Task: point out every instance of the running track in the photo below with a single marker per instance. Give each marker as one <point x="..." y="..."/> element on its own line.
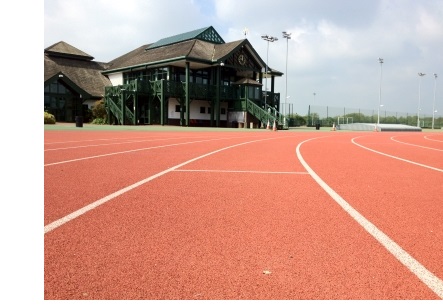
<point x="243" y="215"/>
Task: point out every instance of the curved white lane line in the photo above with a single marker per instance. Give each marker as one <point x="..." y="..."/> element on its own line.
<point x="427" y="137"/>
<point x="395" y="157"/>
<point x="415" y="145"/>
<point x="428" y="278"/>
<point x="53" y="225"/>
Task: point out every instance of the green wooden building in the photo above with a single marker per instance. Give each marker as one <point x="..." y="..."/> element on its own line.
<point x="190" y="79"/>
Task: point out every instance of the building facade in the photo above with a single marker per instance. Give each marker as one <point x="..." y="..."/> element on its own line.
<point x="190" y="79"/>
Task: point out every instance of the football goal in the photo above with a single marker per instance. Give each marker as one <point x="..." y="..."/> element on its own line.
<point x="345" y="120"/>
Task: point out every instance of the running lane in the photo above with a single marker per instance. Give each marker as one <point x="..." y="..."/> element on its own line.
<point x="398" y="189"/>
<point x="245" y="222"/>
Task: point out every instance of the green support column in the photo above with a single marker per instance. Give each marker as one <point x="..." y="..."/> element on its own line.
<point x="217" y="99"/>
<point x="108" y="110"/>
<point x="217" y="95"/>
<point x="135" y="107"/>
<point x="246" y="105"/>
<point x="122" y="106"/>
<point x="162" y="102"/>
<point x="187" y="94"/>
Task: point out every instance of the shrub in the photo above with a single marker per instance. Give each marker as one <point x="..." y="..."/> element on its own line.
<point x="49" y="118"/>
<point x="98" y="121"/>
<point x="99" y="110"/>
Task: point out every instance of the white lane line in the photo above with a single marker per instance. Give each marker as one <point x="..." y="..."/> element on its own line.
<point x="53" y="225"/>
<point x="428" y="278"/>
<point x="129" y="151"/>
<point x="88" y="140"/>
<point x="427" y="137"/>
<point x="414" y="145"/>
<point x="106" y="144"/>
<point x="395" y="157"/>
<point x="240" y="171"/>
<point x="95" y="145"/>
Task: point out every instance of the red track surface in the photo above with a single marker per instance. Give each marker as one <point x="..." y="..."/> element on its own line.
<point x="236" y="215"/>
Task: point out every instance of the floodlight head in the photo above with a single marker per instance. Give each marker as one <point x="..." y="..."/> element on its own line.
<point x="380" y="60"/>
<point x="435" y="75"/>
<point x="286" y="35"/>
<point x="421" y="74"/>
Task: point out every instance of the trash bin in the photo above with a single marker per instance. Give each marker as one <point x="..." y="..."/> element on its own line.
<point x="78" y="121"/>
<point x="317" y="126"/>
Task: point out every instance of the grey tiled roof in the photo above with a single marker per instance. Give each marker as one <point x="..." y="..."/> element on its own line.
<point x="192" y="49"/>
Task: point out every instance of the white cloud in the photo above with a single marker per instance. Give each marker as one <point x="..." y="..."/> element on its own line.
<point x="334" y="46"/>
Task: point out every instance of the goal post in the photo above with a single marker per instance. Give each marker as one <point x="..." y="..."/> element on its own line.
<point x="345" y="120"/>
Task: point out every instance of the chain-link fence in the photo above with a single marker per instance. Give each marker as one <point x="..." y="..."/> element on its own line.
<point x="326" y="116"/>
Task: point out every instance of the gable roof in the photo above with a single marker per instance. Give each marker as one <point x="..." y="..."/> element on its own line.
<point x="63" y="49"/>
<point x="207" y="34"/>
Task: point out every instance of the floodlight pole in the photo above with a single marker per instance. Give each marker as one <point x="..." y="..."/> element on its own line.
<point x="287" y="36"/>
<point x="380" y="60"/>
<point x="268" y="39"/>
<point x="433" y="105"/>
<point x="419" y="98"/>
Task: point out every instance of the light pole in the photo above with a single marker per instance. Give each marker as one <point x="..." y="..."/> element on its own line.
<point x="419" y="99"/>
<point x="433" y="105"/>
<point x="313" y="104"/>
<point x="287" y="36"/>
<point x="267" y="38"/>
<point x="380" y="60"/>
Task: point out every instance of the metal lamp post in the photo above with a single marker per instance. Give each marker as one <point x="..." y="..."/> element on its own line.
<point x="313" y="104"/>
<point x="267" y="38"/>
<point x="419" y="98"/>
<point x="433" y="105"/>
<point x="287" y="36"/>
<point x="380" y="60"/>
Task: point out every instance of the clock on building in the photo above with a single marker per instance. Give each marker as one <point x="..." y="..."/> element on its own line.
<point x="241" y="59"/>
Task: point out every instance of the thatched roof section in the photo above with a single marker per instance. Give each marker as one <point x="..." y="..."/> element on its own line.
<point x="78" y="67"/>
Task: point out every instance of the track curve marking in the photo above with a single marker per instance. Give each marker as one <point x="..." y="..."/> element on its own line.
<point x="395" y="157"/>
<point x="414" y="145"/>
<point x="59" y="222"/>
<point x="428" y="278"/>
<point x="427" y="138"/>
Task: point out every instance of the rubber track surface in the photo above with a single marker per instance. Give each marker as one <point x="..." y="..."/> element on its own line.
<point x="238" y="216"/>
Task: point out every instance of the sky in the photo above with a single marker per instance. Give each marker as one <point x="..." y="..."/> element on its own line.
<point x="333" y="51"/>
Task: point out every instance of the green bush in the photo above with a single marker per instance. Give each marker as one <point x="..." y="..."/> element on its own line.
<point x="49" y="118"/>
<point x="98" y="121"/>
<point x="99" y="110"/>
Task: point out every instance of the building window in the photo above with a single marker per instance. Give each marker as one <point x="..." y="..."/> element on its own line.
<point x="223" y="111"/>
<point x="202" y="109"/>
<point x="209" y="109"/>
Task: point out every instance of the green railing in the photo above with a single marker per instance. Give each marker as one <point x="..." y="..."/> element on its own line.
<point x="264" y="115"/>
<point x="115" y="93"/>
